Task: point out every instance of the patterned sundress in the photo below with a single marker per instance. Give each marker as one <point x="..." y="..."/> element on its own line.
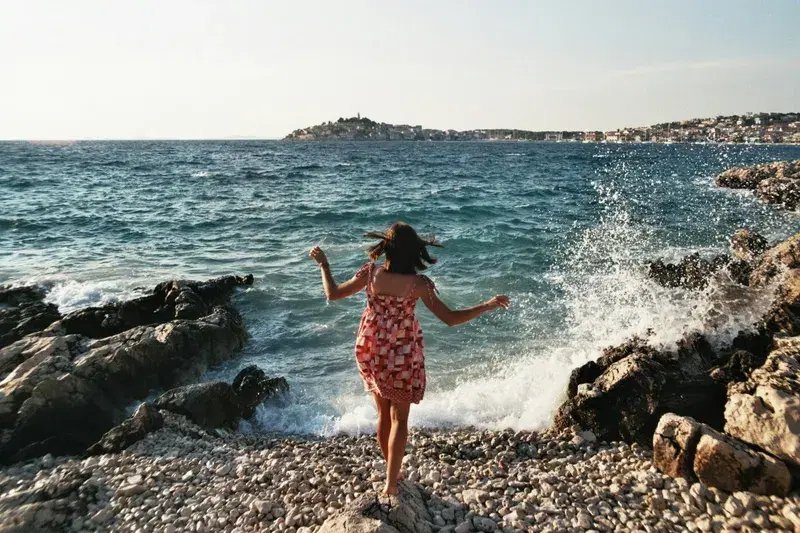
<point x="389" y="345"/>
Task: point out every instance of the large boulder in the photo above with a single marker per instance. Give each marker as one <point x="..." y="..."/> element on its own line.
<point x="765" y="410"/>
<point x="66" y="391"/>
<point x="683" y="447"/>
<point x="252" y="386"/>
<point x="23" y="311"/>
<point x="636" y="384"/>
<point x="210" y="405"/>
<point x="367" y="514"/>
<point x="144" y="420"/>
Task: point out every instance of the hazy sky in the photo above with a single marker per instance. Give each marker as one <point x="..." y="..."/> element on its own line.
<point x="223" y="68"/>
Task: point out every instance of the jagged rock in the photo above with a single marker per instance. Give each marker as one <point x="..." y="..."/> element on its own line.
<point x="86" y="395"/>
<point x="144" y="420"/>
<point x="765" y="410"/>
<point x="683" y="447"/>
<point x="170" y="300"/>
<point x="639" y="384"/>
<point x="747" y="245"/>
<point x="253" y="387"/>
<point x="784" y="192"/>
<point x="409" y="514"/>
<point x="694" y="273"/>
<point x="750" y="176"/>
<point x="211" y="405"/>
<point x="23" y="311"/>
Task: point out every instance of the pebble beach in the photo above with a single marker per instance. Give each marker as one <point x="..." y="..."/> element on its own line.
<point x="182" y="478"/>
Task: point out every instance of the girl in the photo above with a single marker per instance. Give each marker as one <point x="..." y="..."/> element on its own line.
<point x="389" y="341"/>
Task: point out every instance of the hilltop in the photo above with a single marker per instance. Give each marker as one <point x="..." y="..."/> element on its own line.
<point x="748" y="128"/>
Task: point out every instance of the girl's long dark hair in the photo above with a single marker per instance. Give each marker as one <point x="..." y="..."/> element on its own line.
<point x="406" y="252"/>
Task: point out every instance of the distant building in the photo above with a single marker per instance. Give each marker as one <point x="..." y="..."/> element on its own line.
<point x="554" y="136"/>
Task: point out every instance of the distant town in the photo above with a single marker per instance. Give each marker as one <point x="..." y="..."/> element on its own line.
<point x="756" y="128"/>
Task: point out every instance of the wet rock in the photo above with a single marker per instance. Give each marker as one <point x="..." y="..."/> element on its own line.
<point x="765" y="410"/>
<point x="639" y="384"/>
<point x="178" y="299"/>
<point x="691" y="272"/>
<point x="210" y="405"/>
<point x="683" y="447"/>
<point x="408" y="514"/>
<point x="144" y="420"/>
<point x="747" y="245"/>
<point x="253" y="387"/>
<point x="23" y="311"/>
<point x="738" y="367"/>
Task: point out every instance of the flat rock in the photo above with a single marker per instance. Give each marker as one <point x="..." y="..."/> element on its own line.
<point x="407" y="514"/>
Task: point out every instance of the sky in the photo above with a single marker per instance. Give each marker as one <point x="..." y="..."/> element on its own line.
<point x="213" y="69"/>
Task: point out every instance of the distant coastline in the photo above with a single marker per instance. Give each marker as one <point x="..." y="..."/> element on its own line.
<point x="753" y="128"/>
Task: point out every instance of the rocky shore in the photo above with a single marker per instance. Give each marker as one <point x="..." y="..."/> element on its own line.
<point x="774" y="183"/>
<point x="184" y="478"/>
<point x="699" y="437"/>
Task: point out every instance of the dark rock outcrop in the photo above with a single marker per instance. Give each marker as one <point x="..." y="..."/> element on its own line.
<point x="693" y="272"/>
<point x="144" y="420"/>
<point x="775" y="183"/>
<point x="23" y="311"/>
<point x="637" y="384"/>
<point x="217" y="404"/>
<point x="68" y="391"/>
<point x="210" y="405"/>
<point x="683" y="447"/>
<point x="252" y="386"/>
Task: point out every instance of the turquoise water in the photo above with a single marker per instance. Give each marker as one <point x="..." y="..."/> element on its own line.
<point x="563" y="229"/>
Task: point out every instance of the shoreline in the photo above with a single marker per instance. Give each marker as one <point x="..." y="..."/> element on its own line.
<point x="182" y="478"/>
<point x="175" y="464"/>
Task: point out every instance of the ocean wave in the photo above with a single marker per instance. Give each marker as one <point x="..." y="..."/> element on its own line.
<point x="70" y="295"/>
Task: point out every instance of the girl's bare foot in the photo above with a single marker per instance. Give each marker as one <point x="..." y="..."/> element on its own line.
<point x="390" y="491"/>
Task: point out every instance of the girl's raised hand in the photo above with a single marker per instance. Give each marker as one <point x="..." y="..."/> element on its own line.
<point x="499" y="301"/>
<point x="318" y="255"/>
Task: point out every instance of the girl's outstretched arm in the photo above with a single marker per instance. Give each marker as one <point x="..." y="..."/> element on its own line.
<point x="332" y="290"/>
<point x="453" y="317"/>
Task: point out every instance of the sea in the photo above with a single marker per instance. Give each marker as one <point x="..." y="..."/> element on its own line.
<point x="565" y="230"/>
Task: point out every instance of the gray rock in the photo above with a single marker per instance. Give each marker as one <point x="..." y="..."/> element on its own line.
<point x="408" y="514"/>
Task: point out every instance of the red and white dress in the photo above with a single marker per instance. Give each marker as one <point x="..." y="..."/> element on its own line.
<point x="389" y="345"/>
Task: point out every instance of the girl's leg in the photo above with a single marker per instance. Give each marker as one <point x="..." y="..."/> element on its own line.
<point x="397" y="444"/>
<point x="384" y="424"/>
